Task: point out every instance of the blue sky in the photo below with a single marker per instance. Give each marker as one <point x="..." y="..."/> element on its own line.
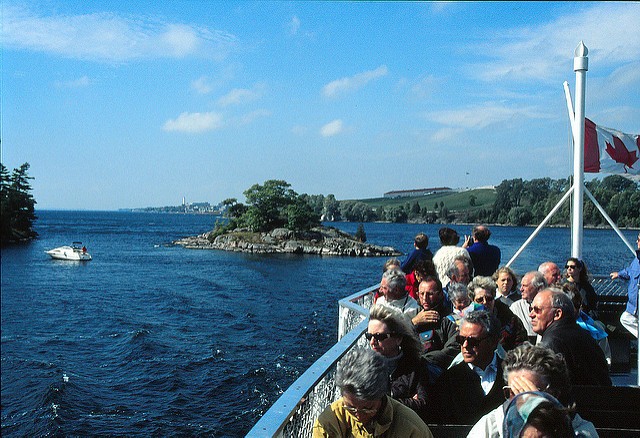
<point x="126" y="104"/>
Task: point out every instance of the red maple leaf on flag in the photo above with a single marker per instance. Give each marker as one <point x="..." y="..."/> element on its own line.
<point x="619" y="153"/>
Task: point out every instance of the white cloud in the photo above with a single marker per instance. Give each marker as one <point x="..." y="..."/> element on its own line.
<point x="254" y="115"/>
<point x="455" y="122"/>
<point x="340" y="86"/>
<point x="609" y="30"/>
<point x="81" y="82"/>
<point x="202" y="85"/>
<point x="239" y="96"/>
<point x="194" y="122"/>
<point x="108" y="37"/>
<point x="332" y="128"/>
<point x="294" y="25"/>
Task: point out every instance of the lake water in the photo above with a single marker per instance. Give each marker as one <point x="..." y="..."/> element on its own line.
<point x="151" y="339"/>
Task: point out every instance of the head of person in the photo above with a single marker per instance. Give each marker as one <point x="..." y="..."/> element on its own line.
<point x="482" y="290"/>
<point x="532" y="282"/>
<point x="573" y="292"/>
<point x="393" y="283"/>
<point x="448" y="236"/>
<point x="576" y="270"/>
<point x="536" y="415"/>
<point x="421" y="241"/>
<point x="506" y="280"/>
<point x="638" y="241"/>
<point x="458" y="295"/>
<point x="479" y="337"/>
<point x="460" y="271"/>
<point x="430" y="293"/>
<point x="549" y="306"/>
<point x="424" y="268"/>
<point x="481" y="233"/>
<point x="390" y="332"/>
<point x="392" y="263"/>
<point x="363" y="380"/>
<point x="542" y="367"/>
<point x="551" y="272"/>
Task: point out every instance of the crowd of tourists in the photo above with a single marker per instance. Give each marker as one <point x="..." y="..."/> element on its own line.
<point x="456" y="338"/>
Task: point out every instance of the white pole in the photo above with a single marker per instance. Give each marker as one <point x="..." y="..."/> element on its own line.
<point x="580" y="66"/>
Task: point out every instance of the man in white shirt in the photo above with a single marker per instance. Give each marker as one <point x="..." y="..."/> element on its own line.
<point x="394" y="294"/>
<point x="532" y="282"/>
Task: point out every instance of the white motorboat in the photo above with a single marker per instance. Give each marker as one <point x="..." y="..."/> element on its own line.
<point x="76" y="252"/>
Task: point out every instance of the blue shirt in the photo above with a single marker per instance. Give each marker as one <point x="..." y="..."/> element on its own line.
<point x="632" y="273"/>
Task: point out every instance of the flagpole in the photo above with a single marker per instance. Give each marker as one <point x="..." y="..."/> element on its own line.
<point x="580" y="66"/>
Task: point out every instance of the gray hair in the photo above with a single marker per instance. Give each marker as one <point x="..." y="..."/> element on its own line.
<point x="484" y="318"/>
<point x="453" y="270"/>
<point x="363" y="373"/>
<point x="562" y="301"/>
<point x="396" y="280"/>
<point x="457" y="291"/>
<point x="481" y="282"/>
<point x="545" y="363"/>
<point x="400" y="325"/>
<point x="537" y="280"/>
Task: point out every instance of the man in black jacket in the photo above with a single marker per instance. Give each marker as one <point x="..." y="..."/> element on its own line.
<point x="552" y="317"/>
<point x="467" y="391"/>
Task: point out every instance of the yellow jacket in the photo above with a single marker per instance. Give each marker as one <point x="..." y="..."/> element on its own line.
<point x="395" y="420"/>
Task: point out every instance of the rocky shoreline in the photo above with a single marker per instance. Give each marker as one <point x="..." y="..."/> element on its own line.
<point x="325" y="241"/>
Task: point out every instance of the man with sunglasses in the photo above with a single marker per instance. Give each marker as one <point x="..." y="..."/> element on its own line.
<point x="365" y="409"/>
<point x="468" y="390"/>
<point x="629" y="317"/>
<point x="553" y="317"/>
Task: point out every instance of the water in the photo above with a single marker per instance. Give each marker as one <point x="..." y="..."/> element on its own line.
<point x="152" y="339"/>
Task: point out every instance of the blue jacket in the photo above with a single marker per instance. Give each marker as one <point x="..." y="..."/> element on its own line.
<point x="632" y="273"/>
<point x="416" y="255"/>
<point x="485" y="258"/>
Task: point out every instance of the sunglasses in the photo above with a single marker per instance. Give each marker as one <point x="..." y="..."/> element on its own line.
<point x="355" y="411"/>
<point x="378" y="336"/>
<point x="485" y="299"/>
<point x="570" y="266"/>
<point x="471" y="341"/>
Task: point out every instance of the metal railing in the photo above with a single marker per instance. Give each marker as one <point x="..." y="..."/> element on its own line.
<point x="294" y="413"/>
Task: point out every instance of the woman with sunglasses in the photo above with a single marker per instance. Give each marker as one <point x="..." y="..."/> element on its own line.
<point x="532" y="368"/>
<point x="365" y="409"/>
<point x="482" y="290"/>
<point x="391" y="334"/>
<point x="576" y="272"/>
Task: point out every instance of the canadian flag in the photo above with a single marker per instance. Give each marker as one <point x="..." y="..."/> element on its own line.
<point x="609" y="151"/>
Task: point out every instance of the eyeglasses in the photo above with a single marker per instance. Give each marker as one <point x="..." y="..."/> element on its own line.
<point x="536" y="309"/>
<point x="355" y="411"/>
<point x="471" y="341"/>
<point x="509" y="394"/>
<point x="485" y="299"/>
<point x="570" y="266"/>
<point x="378" y="336"/>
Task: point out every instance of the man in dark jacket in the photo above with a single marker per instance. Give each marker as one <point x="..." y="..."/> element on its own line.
<point x="485" y="257"/>
<point x="553" y="317"/>
<point x="467" y="391"/>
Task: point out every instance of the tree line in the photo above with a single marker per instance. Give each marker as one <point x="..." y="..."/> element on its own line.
<point x="17" y="205"/>
<point x="517" y="202"/>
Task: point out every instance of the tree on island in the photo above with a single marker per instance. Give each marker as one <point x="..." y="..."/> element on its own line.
<point x="271" y="205"/>
<point x="17" y="206"/>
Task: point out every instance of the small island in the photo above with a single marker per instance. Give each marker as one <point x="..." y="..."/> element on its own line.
<point x="278" y="220"/>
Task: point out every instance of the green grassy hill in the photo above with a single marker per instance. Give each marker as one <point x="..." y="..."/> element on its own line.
<point x="454" y="201"/>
